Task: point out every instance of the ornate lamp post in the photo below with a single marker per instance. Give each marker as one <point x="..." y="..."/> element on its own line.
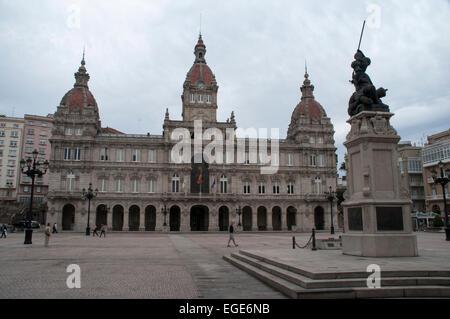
<point x="238" y="211"/>
<point x="443" y="180"/>
<point x="89" y="194"/>
<point x="331" y="196"/>
<point x="31" y="167"/>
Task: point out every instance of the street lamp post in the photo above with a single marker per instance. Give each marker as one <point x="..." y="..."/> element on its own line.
<point x="238" y="211"/>
<point x="331" y="196"/>
<point x="443" y="181"/>
<point x="89" y="194"/>
<point x="31" y="167"/>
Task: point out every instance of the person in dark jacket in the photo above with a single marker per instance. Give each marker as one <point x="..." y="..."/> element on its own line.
<point x="231" y="231"/>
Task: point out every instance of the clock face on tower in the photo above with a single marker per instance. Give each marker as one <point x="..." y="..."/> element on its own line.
<point x="201" y="85"/>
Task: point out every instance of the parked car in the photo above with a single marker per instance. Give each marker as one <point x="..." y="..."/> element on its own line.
<point x="21" y="224"/>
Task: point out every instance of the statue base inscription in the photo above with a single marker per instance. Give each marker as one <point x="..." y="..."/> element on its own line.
<point x="377" y="209"/>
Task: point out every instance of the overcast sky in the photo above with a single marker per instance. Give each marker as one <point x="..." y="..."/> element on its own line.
<point x="138" y="54"/>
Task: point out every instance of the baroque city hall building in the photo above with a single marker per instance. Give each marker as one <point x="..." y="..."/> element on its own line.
<point x="141" y="187"/>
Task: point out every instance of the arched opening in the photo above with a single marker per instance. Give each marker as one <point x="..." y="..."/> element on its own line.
<point x="101" y="215"/>
<point x="174" y="218"/>
<point x="319" y="218"/>
<point x="133" y="218"/>
<point x="224" y="218"/>
<point x="118" y="217"/>
<point x="291" y="217"/>
<point x="199" y="218"/>
<point x="68" y="217"/>
<point x="150" y="218"/>
<point x="247" y="218"/>
<point x="262" y="218"/>
<point x="276" y="218"/>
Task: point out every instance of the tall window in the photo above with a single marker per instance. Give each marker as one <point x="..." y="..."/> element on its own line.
<point x="312" y="160"/>
<point x="246" y="188"/>
<point x="223" y="184"/>
<point x="135" y="183"/>
<point x="311" y="140"/>
<point x="136" y="156"/>
<point x="102" y="184"/>
<point x="68" y="131"/>
<point x="320" y="160"/>
<point x="261" y="188"/>
<point x="77" y="154"/>
<point x="247" y="158"/>
<point x="66" y="153"/>
<point x="152" y="156"/>
<point x="119" y="155"/>
<point x="175" y="183"/>
<point x="79" y="132"/>
<point x="192" y="98"/>
<point x="119" y="185"/>
<point x="151" y="186"/>
<point x="290" y="188"/>
<point x="70" y="181"/>
<point x="104" y="154"/>
<point x="261" y="158"/>
<point x="14" y="134"/>
<point x="290" y="160"/>
<point x="320" y="140"/>
<point x="276" y="188"/>
<point x="208" y="99"/>
<point x="318" y="185"/>
<point x="200" y="98"/>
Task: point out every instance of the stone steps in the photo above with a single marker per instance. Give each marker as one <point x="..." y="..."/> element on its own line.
<point x="297" y="283"/>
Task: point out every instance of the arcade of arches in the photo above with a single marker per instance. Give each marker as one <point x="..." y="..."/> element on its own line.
<point x="195" y="218"/>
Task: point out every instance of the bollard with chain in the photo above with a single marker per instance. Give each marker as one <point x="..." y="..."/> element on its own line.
<point x="293" y="242"/>
<point x="313" y="239"/>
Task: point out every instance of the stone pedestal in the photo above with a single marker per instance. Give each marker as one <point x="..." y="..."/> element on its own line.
<point x="377" y="207"/>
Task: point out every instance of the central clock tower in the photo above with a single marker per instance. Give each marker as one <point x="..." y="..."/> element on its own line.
<point x="200" y="89"/>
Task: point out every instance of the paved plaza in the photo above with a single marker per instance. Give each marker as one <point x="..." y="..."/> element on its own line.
<point x="153" y="265"/>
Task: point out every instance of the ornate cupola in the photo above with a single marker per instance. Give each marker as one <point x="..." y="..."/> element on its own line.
<point x="200" y="88"/>
<point x="78" y="111"/>
<point x="308" y="115"/>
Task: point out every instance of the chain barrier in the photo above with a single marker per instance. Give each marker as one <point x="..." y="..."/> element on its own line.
<point x="311" y="239"/>
<point x="302" y="247"/>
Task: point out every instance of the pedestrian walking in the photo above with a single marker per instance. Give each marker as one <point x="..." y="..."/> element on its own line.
<point x="103" y="231"/>
<point x="55" y="229"/>
<point x="47" y="234"/>
<point x="95" y="232"/>
<point x="4" y="231"/>
<point x="231" y="231"/>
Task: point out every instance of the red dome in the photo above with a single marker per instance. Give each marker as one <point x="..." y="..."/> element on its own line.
<point x="311" y="109"/>
<point x="200" y="71"/>
<point x="77" y="99"/>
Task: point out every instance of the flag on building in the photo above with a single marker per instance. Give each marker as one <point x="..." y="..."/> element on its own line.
<point x="199" y="180"/>
<point x="213" y="183"/>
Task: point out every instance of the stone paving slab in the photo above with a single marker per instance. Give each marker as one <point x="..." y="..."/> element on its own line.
<point x="127" y="265"/>
<point x="156" y="265"/>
